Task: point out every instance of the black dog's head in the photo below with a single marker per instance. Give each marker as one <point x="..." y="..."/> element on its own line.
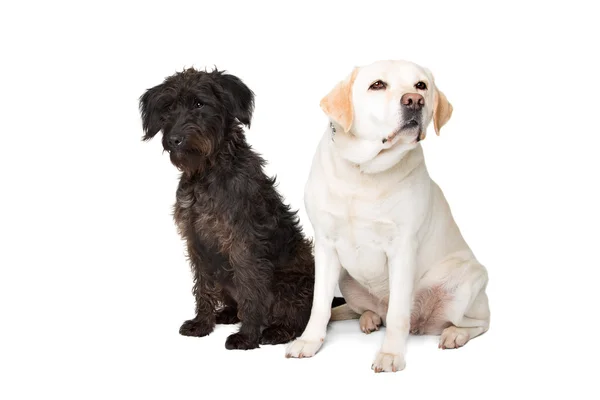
<point x="196" y="111"/>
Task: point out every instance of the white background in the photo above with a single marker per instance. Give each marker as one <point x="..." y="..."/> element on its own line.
<point x="94" y="284"/>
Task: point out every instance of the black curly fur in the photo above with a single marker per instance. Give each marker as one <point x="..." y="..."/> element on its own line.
<point x="250" y="259"/>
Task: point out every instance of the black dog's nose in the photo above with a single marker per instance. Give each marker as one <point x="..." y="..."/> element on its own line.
<point x="413" y="101"/>
<point x="174" y="141"/>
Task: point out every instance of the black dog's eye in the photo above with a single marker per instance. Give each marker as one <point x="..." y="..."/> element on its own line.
<point x="421" y="85"/>
<point x="378" y="85"/>
<point x="198" y="103"/>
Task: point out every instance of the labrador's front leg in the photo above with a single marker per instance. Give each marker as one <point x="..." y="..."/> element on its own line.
<point x="401" y="266"/>
<point x="327" y="272"/>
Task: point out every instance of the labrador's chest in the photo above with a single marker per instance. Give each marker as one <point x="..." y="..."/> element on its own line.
<point x="360" y="221"/>
<point x="365" y="216"/>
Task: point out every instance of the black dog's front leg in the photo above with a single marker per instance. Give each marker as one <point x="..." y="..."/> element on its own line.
<point x="206" y="295"/>
<point x="252" y="279"/>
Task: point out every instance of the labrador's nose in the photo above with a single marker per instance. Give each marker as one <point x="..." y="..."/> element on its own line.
<point x="412" y="101"/>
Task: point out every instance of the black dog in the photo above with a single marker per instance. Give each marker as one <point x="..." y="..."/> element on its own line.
<point x="250" y="260"/>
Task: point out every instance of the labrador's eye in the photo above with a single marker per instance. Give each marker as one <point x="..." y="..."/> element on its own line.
<point x="378" y="85"/>
<point x="421" y="85"/>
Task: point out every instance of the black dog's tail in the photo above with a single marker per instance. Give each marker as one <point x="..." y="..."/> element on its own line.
<point x="337" y="301"/>
<point x="341" y="311"/>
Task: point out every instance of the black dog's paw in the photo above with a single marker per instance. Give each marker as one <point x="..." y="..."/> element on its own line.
<point x="276" y="335"/>
<point x="194" y="327"/>
<point x="239" y="341"/>
<point x="228" y="316"/>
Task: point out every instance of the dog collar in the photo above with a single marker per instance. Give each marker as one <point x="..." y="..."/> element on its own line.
<point x="332" y="129"/>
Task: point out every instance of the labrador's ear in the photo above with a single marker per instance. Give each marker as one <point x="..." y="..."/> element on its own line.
<point x="337" y="105"/>
<point x="442" y="111"/>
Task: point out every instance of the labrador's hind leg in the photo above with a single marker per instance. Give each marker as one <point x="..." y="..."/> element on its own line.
<point x="468" y="312"/>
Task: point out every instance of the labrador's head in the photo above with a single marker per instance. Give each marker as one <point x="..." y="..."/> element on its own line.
<point x="388" y="102"/>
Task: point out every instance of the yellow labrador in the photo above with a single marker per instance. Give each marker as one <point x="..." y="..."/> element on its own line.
<point x="382" y="226"/>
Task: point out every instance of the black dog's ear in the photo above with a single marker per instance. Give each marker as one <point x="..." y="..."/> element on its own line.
<point x="151" y="111"/>
<point x="239" y="96"/>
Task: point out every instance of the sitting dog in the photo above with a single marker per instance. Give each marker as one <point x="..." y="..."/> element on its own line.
<point x="249" y="257"/>
<point x="382" y="226"/>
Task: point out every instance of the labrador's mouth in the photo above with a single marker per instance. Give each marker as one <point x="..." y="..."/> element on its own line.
<point x="411" y="124"/>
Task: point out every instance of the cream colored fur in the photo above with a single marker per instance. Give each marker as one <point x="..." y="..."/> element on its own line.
<point x="383" y="228"/>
